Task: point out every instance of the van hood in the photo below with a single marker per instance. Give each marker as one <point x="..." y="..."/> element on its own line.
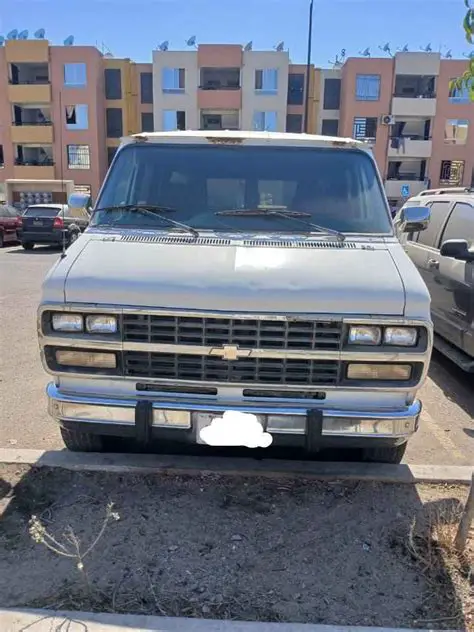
<point x="309" y="278"/>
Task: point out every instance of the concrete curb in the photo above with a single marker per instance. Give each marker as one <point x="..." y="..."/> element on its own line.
<point x="47" y="620"/>
<point x="271" y="468"/>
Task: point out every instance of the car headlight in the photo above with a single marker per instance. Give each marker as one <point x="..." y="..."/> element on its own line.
<point x="400" y="336"/>
<point x="365" y="335"/>
<point x="368" y="371"/>
<point x="101" y="324"/>
<point x="88" y="359"/>
<point x="67" y="322"/>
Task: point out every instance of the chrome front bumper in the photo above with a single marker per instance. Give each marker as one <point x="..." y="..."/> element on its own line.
<point x="121" y="416"/>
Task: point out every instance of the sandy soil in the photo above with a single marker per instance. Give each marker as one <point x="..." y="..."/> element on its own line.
<point x="250" y="549"/>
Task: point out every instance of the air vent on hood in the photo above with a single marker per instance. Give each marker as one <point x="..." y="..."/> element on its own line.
<point x="260" y="243"/>
<point x="178" y="239"/>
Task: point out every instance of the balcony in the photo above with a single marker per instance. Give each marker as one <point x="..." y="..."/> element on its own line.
<point x="34" y="162"/>
<point x="29" y="83"/>
<point x="219" y="119"/>
<point x="414" y="106"/>
<point x="409" y="147"/>
<point x="220" y="89"/>
<point x="32" y="124"/>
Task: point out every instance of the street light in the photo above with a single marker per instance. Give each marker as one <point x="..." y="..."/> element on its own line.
<point x="308" y="66"/>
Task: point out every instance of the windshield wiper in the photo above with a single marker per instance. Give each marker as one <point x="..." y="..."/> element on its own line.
<point x="282" y="212"/>
<point x="151" y="210"/>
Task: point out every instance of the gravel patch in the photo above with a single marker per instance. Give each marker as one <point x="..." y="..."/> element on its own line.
<point x="237" y="548"/>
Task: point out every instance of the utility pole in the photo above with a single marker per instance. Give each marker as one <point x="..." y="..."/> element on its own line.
<point x="308" y="66"/>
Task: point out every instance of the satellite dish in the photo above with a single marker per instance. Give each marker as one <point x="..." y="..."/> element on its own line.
<point x="69" y="41"/>
<point x="40" y="33"/>
<point x="2" y="40"/>
<point x="449" y="54"/>
<point x="469" y="55"/>
<point x="427" y="48"/>
<point x="23" y="35"/>
<point x="404" y="49"/>
<point x="164" y="45"/>
<point x="248" y="47"/>
<point x="365" y="53"/>
<point x="280" y="47"/>
<point x="12" y="35"/>
<point x="191" y="41"/>
<point x="386" y="49"/>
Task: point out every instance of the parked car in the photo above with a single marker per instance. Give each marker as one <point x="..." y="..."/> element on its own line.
<point x="10" y="223"/>
<point x="444" y="256"/>
<point x="52" y="224"/>
<point x="239" y="288"/>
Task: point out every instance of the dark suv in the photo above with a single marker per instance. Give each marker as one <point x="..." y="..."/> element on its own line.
<point x="444" y="256"/>
<point x="52" y="224"/>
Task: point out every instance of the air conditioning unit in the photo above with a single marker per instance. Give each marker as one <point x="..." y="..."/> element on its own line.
<point x="387" y="119"/>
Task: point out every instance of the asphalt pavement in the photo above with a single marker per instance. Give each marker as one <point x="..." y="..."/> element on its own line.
<point x="446" y="434"/>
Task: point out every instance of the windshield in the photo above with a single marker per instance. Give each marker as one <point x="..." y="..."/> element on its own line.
<point x="335" y="188"/>
<point x="41" y="211"/>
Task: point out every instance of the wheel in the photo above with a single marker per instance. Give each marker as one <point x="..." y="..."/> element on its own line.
<point x="1" y="240"/>
<point x="81" y="441"/>
<point x="385" y="454"/>
<point x="27" y="245"/>
<point x="72" y="238"/>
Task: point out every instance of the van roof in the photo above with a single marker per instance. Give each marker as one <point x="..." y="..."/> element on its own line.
<point x="246" y="137"/>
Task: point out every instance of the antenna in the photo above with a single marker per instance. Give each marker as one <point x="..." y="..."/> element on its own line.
<point x="449" y="54"/>
<point x="248" y="47"/>
<point x="337" y="63"/>
<point x="280" y="47"/>
<point x="191" y="41"/>
<point x="403" y="50"/>
<point x="343" y="55"/>
<point x="164" y="46"/>
<point x="40" y="33"/>
<point x="2" y="40"/>
<point x="12" y="35"/>
<point x="427" y="48"/>
<point x="386" y="49"/>
<point x="365" y="53"/>
<point x="69" y="41"/>
<point x="23" y="35"/>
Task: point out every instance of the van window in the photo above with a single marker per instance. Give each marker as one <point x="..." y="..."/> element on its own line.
<point x="460" y="223"/>
<point x="336" y="188"/>
<point x="439" y="213"/>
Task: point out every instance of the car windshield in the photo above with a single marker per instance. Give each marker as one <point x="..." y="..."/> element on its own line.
<point x="332" y="188"/>
<point x="40" y="211"/>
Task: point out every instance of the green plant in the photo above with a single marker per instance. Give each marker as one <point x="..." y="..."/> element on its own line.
<point x="467" y="78"/>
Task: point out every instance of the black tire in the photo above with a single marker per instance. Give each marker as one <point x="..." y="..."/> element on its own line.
<point x="82" y="441"/>
<point x="385" y="454"/>
<point x="27" y="245"/>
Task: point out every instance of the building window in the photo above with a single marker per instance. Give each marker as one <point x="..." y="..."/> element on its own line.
<point x="113" y="84"/>
<point x="220" y="79"/>
<point x="461" y="94"/>
<point x="219" y="119"/>
<point x="455" y="131"/>
<point x="146" y="87"/>
<point x="2" y="161"/>
<point x="295" y="88"/>
<point x="452" y="172"/>
<point x="367" y="87"/>
<point x="415" y="86"/>
<point x="266" y="81"/>
<point x="332" y="94"/>
<point x="114" y="122"/>
<point x="173" y="120"/>
<point x="75" y="75"/>
<point x="78" y="157"/>
<point x="330" y="127"/>
<point x="365" y="128"/>
<point x="173" y="80"/>
<point x="294" y="123"/>
<point x="147" y="121"/>
<point x="265" y="121"/>
<point x="77" y="117"/>
<point x="111" y="151"/>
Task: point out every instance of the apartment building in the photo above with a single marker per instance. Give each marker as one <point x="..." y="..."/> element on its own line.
<point x="228" y="87"/>
<point x="421" y="131"/>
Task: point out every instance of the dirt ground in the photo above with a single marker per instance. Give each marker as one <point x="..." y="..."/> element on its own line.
<point x="236" y="548"/>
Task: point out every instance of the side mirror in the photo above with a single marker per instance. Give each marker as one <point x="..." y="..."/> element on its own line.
<point x="413" y="219"/>
<point x="457" y="249"/>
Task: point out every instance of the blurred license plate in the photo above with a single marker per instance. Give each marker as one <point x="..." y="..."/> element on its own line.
<point x="37" y="222"/>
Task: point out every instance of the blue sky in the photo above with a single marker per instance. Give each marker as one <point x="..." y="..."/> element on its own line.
<point x="131" y="28"/>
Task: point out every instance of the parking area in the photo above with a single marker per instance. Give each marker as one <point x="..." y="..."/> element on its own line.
<point x="446" y="435"/>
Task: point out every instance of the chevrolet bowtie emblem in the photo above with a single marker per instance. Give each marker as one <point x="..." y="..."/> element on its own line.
<point x="230" y="352"/>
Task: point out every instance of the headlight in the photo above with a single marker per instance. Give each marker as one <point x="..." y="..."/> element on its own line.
<point x="89" y="359"/>
<point x="101" y="324"/>
<point x="379" y="371"/>
<point x="365" y="335"/>
<point x="400" y="336"/>
<point x="67" y="322"/>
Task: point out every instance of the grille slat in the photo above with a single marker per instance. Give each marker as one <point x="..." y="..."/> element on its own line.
<point x="142" y="364"/>
<point x="310" y="335"/>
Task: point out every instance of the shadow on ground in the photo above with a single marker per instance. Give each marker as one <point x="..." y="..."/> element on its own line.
<point x="456" y="384"/>
<point x="232" y="548"/>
